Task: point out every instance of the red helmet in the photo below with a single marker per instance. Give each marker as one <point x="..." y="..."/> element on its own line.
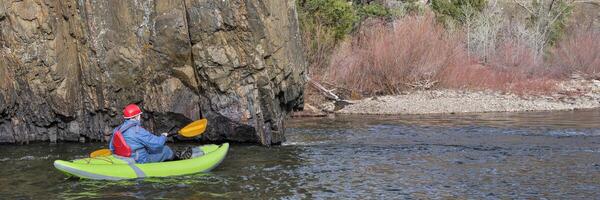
<point x="131" y="111"/>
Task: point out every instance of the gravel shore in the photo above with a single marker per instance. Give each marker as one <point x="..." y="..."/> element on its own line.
<point x="571" y="95"/>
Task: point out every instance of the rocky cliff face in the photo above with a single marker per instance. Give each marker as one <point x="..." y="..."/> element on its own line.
<point x="67" y="68"/>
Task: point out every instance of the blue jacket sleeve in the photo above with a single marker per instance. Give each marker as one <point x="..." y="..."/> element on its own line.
<point x="110" y="142"/>
<point x="152" y="142"/>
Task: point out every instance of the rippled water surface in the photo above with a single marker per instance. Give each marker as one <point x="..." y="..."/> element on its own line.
<point x="479" y="156"/>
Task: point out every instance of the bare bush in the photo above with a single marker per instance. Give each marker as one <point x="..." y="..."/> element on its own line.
<point x="492" y="52"/>
<point x="417" y="53"/>
<point x="578" y="53"/>
<point x="386" y="59"/>
<point x="319" y="43"/>
<point x="478" y="77"/>
<point x="483" y="34"/>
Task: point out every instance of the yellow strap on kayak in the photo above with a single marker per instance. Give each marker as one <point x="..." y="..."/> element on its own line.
<point x="100" y="152"/>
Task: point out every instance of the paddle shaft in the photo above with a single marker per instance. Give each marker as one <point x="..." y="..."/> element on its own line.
<point x="200" y="110"/>
<point x="171" y="132"/>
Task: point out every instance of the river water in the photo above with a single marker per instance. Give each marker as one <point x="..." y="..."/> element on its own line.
<point x="554" y="155"/>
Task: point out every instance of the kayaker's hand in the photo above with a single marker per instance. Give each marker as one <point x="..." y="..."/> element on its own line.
<point x="165" y="134"/>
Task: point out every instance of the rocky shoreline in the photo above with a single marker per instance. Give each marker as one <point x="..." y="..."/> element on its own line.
<point x="570" y="95"/>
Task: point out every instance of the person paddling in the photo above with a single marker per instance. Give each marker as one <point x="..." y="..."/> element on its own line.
<point x="130" y="139"/>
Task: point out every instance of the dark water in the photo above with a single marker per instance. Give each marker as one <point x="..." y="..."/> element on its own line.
<point x="480" y="156"/>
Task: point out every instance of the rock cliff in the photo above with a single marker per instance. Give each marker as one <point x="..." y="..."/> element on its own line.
<point x="68" y="67"/>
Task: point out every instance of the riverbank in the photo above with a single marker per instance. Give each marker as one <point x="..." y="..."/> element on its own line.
<point x="574" y="94"/>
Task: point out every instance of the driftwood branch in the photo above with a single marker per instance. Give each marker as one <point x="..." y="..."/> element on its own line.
<point x="424" y="84"/>
<point x="327" y="93"/>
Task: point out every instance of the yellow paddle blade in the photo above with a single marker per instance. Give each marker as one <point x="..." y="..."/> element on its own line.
<point x="100" y="152"/>
<point x="195" y="128"/>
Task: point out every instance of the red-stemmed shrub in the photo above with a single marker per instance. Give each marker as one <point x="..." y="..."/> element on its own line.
<point x="415" y="52"/>
<point x="386" y="58"/>
<point x="578" y="53"/>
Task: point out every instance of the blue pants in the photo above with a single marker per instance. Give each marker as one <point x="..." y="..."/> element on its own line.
<point x="165" y="154"/>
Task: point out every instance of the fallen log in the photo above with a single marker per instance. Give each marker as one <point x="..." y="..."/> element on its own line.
<point x="327" y="93"/>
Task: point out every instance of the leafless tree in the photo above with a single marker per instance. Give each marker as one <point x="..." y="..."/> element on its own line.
<point x="544" y="15"/>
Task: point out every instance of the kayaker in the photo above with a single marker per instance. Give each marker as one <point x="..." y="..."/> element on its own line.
<point x="130" y="139"/>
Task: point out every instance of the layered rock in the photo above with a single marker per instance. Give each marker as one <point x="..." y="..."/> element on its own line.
<point x="68" y="67"/>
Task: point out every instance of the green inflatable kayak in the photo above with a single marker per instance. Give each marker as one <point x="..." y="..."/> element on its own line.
<point x="113" y="167"/>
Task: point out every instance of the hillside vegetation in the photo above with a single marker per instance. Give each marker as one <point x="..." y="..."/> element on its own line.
<point x="387" y="47"/>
